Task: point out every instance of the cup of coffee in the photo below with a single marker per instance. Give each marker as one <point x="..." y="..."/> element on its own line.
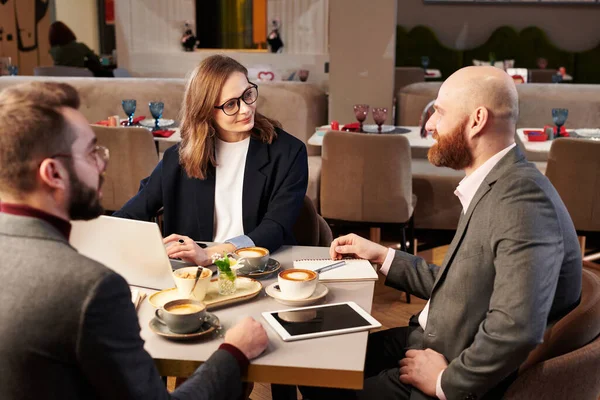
<point x="253" y="258"/>
<point x="182" y="316"/>
<point x="297" y="284"/>
<point x="185" y="278"/>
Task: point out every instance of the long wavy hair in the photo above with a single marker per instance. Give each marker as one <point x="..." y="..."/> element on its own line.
<point x="198" y="126"/>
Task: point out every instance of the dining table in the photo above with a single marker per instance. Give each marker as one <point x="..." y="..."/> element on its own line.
<point x="332" y="361"/>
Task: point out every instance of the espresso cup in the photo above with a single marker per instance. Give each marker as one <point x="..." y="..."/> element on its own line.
<point x="297" y="284"/>
<point x="184" y="280"/>
<point x="182" y="316"/>
<point x="252" y="258"/>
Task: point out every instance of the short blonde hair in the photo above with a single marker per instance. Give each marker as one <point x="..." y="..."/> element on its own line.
<point x="198" y="127"/>
<point x="32" y="127"/>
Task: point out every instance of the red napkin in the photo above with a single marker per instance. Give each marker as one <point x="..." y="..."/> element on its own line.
<point x="163" y="133"/>
<point x="136" y="120"/>
<point x="429" y="73"/>
<point x="103" y="123"/>
<point x="352" y="127"/>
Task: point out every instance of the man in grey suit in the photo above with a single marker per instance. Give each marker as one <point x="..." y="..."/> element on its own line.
<point x="513" y="267"/>
<point x="68" y="327"/>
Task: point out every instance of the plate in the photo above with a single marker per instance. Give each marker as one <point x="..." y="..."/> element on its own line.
<point x="319" y="294"/>
<point x="273" y="266"/>
<point x="211" y="324"/>
<point x="588" y="133"/>
<point x="162" y="122"/>
<point x="373" y="128"/>
<point x="247" y="288"/>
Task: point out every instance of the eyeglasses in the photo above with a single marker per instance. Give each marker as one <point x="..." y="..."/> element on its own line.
<point x="100" y="154"/>
<point x="232" y="107"/>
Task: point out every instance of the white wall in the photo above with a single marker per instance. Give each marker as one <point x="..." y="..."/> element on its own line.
<point x="82" y="17"/>
<point x="149" y="31"/>
<point x="464" y="26"/>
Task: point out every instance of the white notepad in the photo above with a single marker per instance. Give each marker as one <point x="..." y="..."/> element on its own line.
<point x="354" y="270"/>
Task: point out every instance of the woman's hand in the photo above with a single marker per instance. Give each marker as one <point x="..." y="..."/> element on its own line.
<point x="220" y="249"/>
<point x="185" y="248"/>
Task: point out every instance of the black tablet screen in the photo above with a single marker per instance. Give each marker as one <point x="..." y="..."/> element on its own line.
<point x="322" y="319"/>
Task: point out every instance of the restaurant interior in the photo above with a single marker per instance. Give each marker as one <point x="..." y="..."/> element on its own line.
<point x="356" y="82"/>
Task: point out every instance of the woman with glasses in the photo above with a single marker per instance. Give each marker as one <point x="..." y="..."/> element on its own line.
<point x="236" y="178"/>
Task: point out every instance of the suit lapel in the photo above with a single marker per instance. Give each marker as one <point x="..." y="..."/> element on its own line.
<point x="513" y="156"/>
<point x="254" y="182"/>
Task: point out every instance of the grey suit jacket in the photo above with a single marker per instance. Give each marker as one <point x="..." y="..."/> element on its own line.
<point x="514" y="265"/>
<point x="68" y="328"/>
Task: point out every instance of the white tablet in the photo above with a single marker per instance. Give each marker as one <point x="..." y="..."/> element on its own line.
<point x="316" y="321"/>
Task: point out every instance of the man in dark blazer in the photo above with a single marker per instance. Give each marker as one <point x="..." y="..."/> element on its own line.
<point x="513" y="267"/>
<point x="69" y="328"/>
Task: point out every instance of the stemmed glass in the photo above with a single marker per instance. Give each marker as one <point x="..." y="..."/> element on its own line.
<point x="360" y="112"/>
<point x="129" y="108"/>
<point x="156" y="109"/>
<point x="425" y="62"/>
<point x="559" y="116"/>
<point x="379" y="115"/>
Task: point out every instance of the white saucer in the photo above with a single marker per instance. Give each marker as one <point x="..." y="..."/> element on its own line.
<point x="373" y="128"/>
<point x="319" y="294"/>
<point x="162" y="122"/>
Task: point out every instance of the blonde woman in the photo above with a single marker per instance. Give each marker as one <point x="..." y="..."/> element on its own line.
<point x="236" y="178"/>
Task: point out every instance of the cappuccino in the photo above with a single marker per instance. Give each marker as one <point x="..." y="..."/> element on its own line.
<point x="182" y="309"/>
<point x="298" y="275"/>
<point x="253" y="257"/>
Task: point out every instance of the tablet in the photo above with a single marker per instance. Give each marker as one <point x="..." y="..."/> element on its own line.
<point x="316" y="321"/>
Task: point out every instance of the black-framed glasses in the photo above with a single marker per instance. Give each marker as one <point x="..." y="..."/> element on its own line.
<point x="232" y="106"/>
<point x="100" y="153"/>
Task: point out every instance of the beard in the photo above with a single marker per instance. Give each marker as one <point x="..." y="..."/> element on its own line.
<point x="451" y="150"/>
<point x="84" y="201"/>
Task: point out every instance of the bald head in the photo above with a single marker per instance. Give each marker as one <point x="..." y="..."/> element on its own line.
<point x="488" y="87"/>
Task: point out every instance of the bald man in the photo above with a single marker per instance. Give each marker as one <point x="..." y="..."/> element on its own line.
<point x="513" y="267"/>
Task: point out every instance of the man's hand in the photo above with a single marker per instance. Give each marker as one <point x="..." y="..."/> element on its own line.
<point x="249" y="336"/>
<point x="358" y="246"/>
<point x="185" y="248"/>
<point x="421" y="368"/>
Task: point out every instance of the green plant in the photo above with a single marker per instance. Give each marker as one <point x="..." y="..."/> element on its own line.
<point x="224" y="266"/>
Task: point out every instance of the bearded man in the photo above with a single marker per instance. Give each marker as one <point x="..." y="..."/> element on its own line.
<point x="68" y="327"/>
<point x="513" y="267"/>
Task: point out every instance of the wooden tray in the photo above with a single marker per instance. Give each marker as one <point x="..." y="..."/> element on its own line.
<point x="247" y="288"/>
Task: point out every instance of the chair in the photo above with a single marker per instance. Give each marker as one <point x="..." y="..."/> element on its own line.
<point x="566" y="365"/>
<point x="311" y="229"/>
<point x="404" y="76"/>
<point x="366" y="180"/>
<point x="574" y="170"/>
<point x="132" y="158"/>
<point x="59" y="70"/>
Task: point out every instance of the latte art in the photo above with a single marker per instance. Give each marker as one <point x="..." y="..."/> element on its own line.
<point x="251" y="253"/>
<point x="298" y="275"/>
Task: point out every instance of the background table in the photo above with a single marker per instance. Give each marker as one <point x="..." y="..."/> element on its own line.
<point x="334" y="361"/>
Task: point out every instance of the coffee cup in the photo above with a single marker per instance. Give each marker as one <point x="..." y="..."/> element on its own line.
<point x="185" y="278"/>
<point x="182" y="316"/>
<point x="297" y="284"/>
<point x="253" y="258"/>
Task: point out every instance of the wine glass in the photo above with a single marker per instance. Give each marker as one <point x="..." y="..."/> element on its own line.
<point x="379" y="115"/>
<point x="129" y="108"/>
<point x="303" y="74"/>
<point x="559" y="116"/>
<point x="425" y="62"/>
<point x="156" y="109"/>
<point x="360" y="112"/>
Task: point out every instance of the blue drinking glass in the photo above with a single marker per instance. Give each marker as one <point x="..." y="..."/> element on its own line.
<point x="425" y="62"/>
<point x="559" y="116"/>
<point x="129" y="108"/>
<point x="156" y="109"/>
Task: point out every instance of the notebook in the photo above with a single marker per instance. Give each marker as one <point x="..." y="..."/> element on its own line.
<point x="354" y="270"/>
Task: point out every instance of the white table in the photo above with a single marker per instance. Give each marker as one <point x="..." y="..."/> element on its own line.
<point x="334" y="361"/>
<point x="433" y="74"/>
<point x="419" y="146"/>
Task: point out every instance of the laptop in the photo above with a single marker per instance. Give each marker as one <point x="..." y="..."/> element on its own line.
<point x="133" y="249"/>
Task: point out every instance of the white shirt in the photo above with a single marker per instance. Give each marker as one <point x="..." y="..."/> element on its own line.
<point x="229" y="185"/>
<point x="465" y="192"/>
